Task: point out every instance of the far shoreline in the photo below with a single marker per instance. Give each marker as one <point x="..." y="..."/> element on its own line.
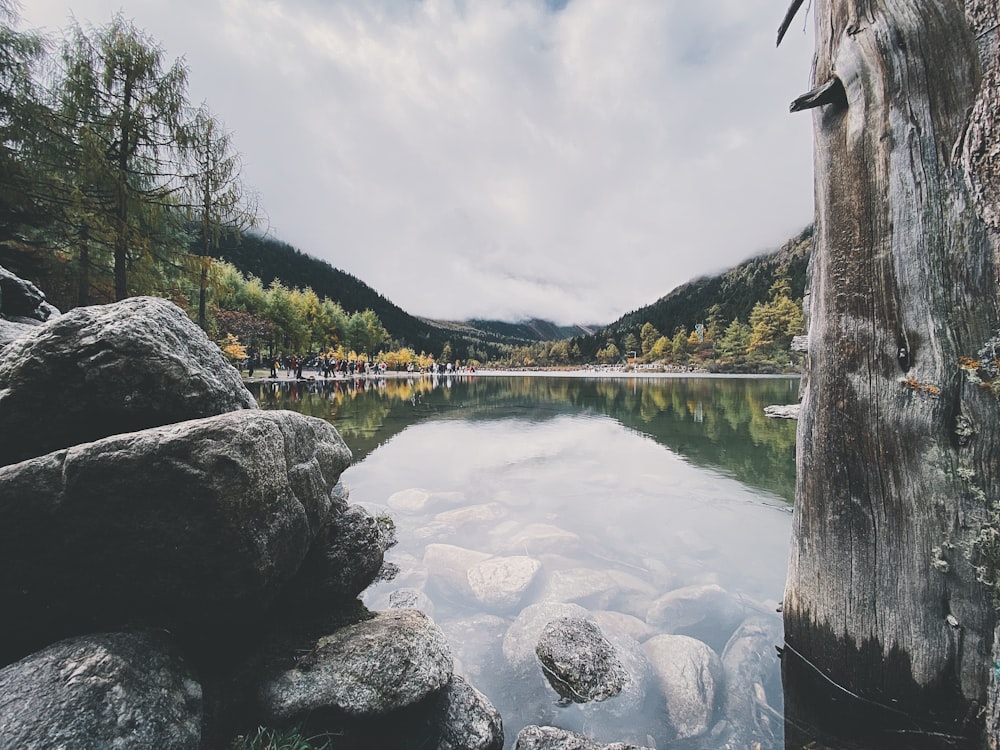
<point x="595" y="373"/>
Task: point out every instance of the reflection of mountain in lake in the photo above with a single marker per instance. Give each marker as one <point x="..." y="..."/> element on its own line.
<point x="712" y="422"/>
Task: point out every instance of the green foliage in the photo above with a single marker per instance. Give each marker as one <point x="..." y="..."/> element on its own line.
<point x="21" y="123"/>
<point x="121" y="114"/>
<point x="716" y="300"/>
<point x="649" y="336"/>
<point x="217" y="200"/>
<point x="609" y="355"/>
<point x="734" y="342"/>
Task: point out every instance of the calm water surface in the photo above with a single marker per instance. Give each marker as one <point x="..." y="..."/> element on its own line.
<point x="622" y="489"/>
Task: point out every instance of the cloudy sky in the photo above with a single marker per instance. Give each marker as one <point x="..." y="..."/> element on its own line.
<point x="565" y="159"/>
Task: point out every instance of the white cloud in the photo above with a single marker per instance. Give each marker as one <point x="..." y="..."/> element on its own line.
<point x="495" y="158"/>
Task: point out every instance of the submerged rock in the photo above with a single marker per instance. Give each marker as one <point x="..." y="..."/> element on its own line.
<point x="750" y="663"/>
<point x="690" y="676"/>
<point x="110" y="690"/>
<point x="625" y="624"/>
<point x="535" y="538"/>
<point x="595" y="588"/>
<point x="411" y="500"/>
<point x="500" y="582"/>
<point x="110" y="369"/>
<point x="448" y="567"/>
<point x="483" y="513"/>
<point x="707" y="611"/>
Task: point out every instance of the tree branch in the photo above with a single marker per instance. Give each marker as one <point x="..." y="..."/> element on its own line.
<point x="789" y="16"/>
<point x="831" y="92"/>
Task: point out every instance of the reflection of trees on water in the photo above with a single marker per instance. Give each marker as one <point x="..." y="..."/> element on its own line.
<point x="713" y="422"/>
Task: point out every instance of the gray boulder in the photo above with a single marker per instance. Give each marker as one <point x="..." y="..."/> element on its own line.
<point x="112" y="690"/>
<point x="411" y="598"/>
<point x="550" y="738"/>
<point x="468" y="721"/>
<point x="21" y="300"/>
<point x="345" y="558"/>
<point x="15" y="329"/>
<point x="522" y="636"/>
<point x="371" y="668"/>
<point x="707" y="612"/>
<point x="110" y="369"/>
<point x="690" y="676"/>
<point x="579" y="662"/>
<point x="192" y="526"/>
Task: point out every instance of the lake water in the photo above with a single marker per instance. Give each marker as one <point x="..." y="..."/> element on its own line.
<point x="620" y="490"/>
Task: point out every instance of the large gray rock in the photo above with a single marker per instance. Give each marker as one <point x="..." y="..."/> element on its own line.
<point x="580" y="664"/>
<point x="468" y="721"/>
<point x="13" y="329"/>
<point x="105" y="691"/>
<point x="110" y="369"/>
<point x="191" y="526"/>
<point x="522" y="636"/>
<point x="371" y="668"/>
<point x="411" y="598"/>
<point x="690" y="676"/>
<point x="550" y="738"/>
<point x="22" y="300"/>
<point x="344" y="560"/>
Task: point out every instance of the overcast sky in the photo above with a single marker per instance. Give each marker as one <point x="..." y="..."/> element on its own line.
<point x="564" y="159"/>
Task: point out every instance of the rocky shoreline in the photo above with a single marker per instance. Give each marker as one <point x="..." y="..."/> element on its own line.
<point x="182" y="567"/>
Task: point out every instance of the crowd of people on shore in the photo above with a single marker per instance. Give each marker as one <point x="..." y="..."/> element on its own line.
<point x="294" y="366"/>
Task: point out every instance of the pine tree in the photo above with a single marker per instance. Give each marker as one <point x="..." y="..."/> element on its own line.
<point x="121" y="115"/>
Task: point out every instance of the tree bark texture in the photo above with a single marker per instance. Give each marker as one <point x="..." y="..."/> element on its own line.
<point x="898" y="449"/>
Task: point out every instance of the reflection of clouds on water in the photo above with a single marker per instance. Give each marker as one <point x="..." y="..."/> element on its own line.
<point x="495" y="516"/>
<point x="625" y="495"/>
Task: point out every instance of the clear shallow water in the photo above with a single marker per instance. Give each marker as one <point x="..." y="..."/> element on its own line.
<point x="622" y="490"/>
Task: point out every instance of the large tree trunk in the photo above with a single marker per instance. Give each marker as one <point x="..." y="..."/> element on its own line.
<point x="898" y="448"/>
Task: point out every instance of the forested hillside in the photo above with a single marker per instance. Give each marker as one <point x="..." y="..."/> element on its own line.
<point x="269" y="259"/>
<point x="718" y="300"/>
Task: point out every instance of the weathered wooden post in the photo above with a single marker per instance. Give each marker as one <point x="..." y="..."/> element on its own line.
<point x="886" y="612"/>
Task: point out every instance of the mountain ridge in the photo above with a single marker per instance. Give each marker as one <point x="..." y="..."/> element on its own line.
<point x="728" y="295"/>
